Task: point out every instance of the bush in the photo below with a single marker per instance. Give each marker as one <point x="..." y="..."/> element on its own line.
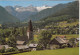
<point x="72" y="41"/>
<point x="77" y="44"/>
<point x="54" y="47"/>
<point x="11" y="49"/>
<point x="39" y="47"/>
<point x="64" y="45"/>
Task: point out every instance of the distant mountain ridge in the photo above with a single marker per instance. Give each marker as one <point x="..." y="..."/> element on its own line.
<point x="38" y="13"/>
<point x="71" y="8"/>
<point x="24" y="12"/>
<point x="47" y="12"/>
<point x="69" y="14"/>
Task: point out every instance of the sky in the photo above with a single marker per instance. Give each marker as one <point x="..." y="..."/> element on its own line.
<point x="34" y="3"/>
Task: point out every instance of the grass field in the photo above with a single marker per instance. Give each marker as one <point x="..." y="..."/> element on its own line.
<point x="68" y="36"/>
<point x="65" y="24"/>
<point x="66" y="51"/>
<point x="0" y="25"/>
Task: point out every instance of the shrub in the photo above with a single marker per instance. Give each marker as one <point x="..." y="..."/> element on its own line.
<point x="54" y="47"/>
<point x="64" y="45"/>
<point x="39" y="47"/>
<point x="77" y="44"/>
<point x="11" y="49"/>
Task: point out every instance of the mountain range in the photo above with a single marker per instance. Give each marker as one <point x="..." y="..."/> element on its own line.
<point x="32" y="12"/>
<point x="71" y="9"/>
<point x="24" y="12"/>
<point x="16" y="13"/>
<point x="70" y="14"/>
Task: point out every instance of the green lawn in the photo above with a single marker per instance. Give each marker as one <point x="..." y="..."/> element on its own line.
<point x="65" y="24"/>
<point x="68" y="36"/>
<point x="66" y="51"/>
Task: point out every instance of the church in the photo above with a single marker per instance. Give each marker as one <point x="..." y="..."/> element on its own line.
<point x="29" y="33"/>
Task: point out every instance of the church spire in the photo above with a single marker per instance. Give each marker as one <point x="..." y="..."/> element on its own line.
<point x="30" y="28"/>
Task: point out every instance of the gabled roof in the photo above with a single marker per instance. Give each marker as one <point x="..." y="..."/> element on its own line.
<point x="62" y="36"/>
<point x="22" y="46"/>
<point x="6" y="46"/>
<point x="20" y="42"/>
<point x="60" y="40"/>
<point x="1" y="46"/>
<point x="33" y="45"/>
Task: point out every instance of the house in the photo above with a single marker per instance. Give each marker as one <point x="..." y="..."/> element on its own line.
<point x="21" y="45"/>
<point x="33" y="47"/>
<point x="57" y="42"/>
<point x="6" y="46"/>
<point x="30" y="31"/>
<point x="1" y="46"/>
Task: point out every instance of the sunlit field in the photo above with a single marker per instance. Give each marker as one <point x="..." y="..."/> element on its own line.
<point x="65" y="51"/>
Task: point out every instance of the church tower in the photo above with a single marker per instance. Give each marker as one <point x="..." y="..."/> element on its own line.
<point x="30" y="31"/>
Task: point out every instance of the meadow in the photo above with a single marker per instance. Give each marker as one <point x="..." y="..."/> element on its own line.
<point x="65" y="51"/>
<point x="65" y="24"/>
<point x="68" y="36"/>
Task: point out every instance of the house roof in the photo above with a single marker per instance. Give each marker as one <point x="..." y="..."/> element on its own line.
<point x="33" y="45"/>
<point x="6" y="46"/>
<point x="1" y="46"/>
<point x="20" y="42"/>
<point x="22" y="46"/>
<point x="60" y="40"/>
<point x="61" y="36"/>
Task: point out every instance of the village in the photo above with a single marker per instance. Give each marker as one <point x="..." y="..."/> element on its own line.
<point x="24" y="44"/>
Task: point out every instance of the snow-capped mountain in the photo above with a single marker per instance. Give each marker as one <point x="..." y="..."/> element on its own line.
<point x="24" y="12"/>
<point x="42" y="8"/>
<point x="31" y="8"/>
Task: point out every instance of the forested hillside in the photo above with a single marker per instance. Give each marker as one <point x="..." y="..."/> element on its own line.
<point x="71" y="9"/>
<point x="47" y="12"/>
<point x="69" y="14"/>
<point x="6" y="17"/>
<point x="61" y="13"/>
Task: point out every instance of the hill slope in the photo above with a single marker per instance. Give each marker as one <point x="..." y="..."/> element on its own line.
<point x="69" y="14"/>
<point x="6" y="17"/>
<point x="46" y="12"/>
<point x="71" y="9"/>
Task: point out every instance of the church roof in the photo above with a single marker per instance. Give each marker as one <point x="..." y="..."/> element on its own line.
<point x="20" y="42"/>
